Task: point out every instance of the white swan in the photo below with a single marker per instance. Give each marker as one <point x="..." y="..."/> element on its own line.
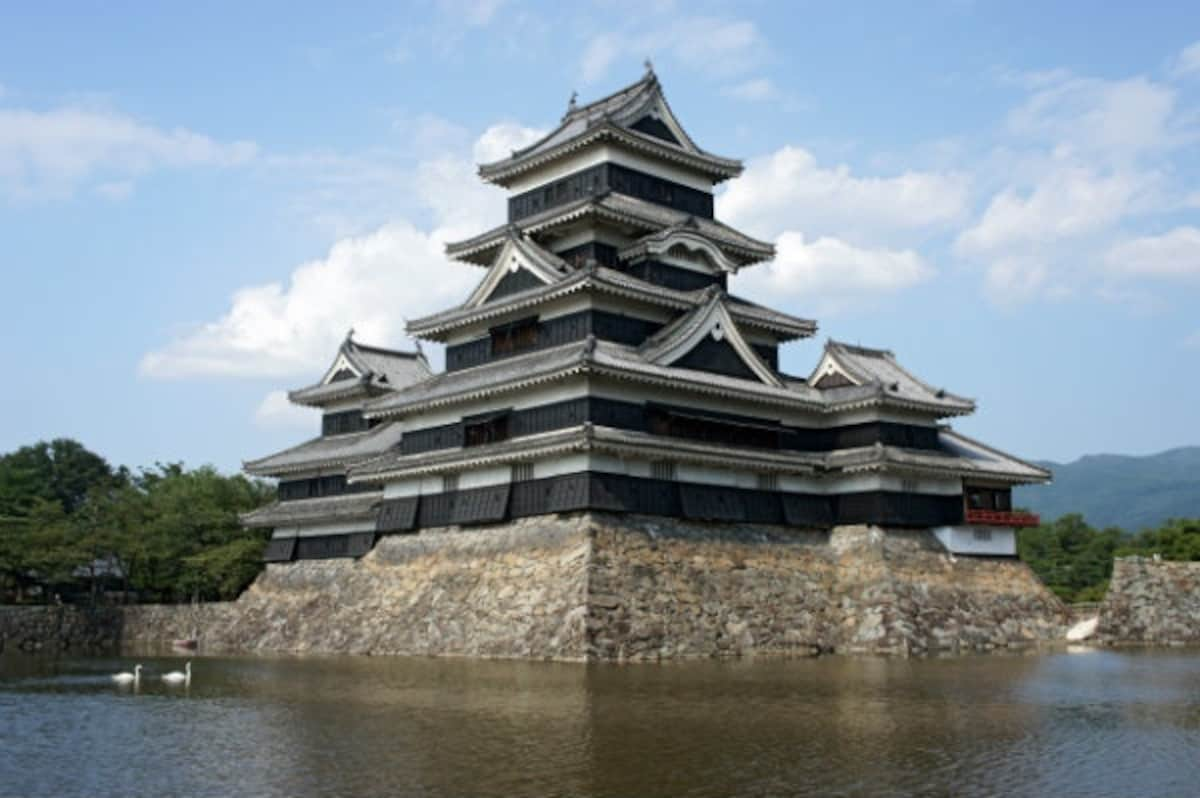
<point x="127" y="677"/>
<point x="178" y="677"/>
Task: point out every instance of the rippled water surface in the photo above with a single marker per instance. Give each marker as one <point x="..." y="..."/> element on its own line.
<point x="1097" y="723"/>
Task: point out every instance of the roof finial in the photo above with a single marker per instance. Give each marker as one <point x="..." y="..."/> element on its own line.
<point x="649" y="66"/>
<point x="571" y="102"/>
<point x="350" y="334"/>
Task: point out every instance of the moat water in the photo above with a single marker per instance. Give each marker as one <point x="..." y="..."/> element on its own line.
<point x="1092" y="723"/>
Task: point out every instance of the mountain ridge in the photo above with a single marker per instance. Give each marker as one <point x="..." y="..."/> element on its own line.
<point x="1128" y="491"/>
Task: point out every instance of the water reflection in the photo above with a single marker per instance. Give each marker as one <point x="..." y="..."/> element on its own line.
<point x="1098" y="723"/>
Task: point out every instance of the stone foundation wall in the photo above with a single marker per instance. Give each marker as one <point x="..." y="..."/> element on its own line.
<point x="59" y="628"/>
<point x="660" y="588"/>
<point x="596" y="586"/>
<point x="515" y="590"/>
<point x="1151" y="602"/>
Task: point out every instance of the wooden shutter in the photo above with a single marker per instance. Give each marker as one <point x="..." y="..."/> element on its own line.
<point x="481" y="505"/>
<point x="397" y="515"/>
<point x="279" y="550"/>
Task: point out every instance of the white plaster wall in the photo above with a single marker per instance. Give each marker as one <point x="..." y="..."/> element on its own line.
<point x="313" y="530"/>
<point x="994" y="541"/>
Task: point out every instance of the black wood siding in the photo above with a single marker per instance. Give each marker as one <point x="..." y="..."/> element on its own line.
<point x="596" y="180"/>
<point x="513" y="283"/>
<point x="279" y="550"/>
<point x="555" y="332"/>
<point x="670" y="276"/>
<point x="604" y="254"/>
<point x="655" y="127"/>
<point x="655" y="417"/>
<point x="344" y="422"/>
<point x="397" y="515"/>
<point x="317" y="487"/>
<point x="718" y="357"/>
<point x="626" y="494"/>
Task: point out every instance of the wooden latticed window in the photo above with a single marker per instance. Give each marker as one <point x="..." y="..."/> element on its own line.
<point x="768" y="482"/>
<point x="449" y="483"/>
<point x="522" y="472"/>
<point x="516" y="336"/>
<point x="486" y="428"/>
<point x="989" y="499"/>
<point x="662" y="469"/>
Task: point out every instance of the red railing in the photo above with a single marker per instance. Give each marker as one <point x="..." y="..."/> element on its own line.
<point x="1001" y="518"/>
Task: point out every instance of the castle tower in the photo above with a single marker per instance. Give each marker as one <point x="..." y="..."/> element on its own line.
<point x="603" y="364"/>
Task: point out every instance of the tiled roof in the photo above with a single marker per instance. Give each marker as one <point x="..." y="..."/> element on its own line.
<point x="613" y="117"/>
<point x="324" y="452"/>
<point x="623" y="362"/>
<point x="585" y="438"/>
<point x="962" y="457"/>
<point x="611" y="281"/>
<point x="379" y="370"/>
<point x="649" y="216"/>
<point x="866" y="366"/>
<point x="350" y="507"/>
<point x="988" y="459"/>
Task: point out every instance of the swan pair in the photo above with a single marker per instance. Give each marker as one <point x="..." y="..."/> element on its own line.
<point x="183" y="677"/>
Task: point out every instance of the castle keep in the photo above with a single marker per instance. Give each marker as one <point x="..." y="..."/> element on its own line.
<point x="602" y="363"/>
<point x="602" y="370"/>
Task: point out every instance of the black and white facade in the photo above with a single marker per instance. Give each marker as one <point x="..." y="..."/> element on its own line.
<point x="602" y="363"/>
<point x="319" y="512"/>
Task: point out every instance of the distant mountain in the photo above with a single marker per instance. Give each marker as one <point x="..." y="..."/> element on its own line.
<point x="1117" y="490"/>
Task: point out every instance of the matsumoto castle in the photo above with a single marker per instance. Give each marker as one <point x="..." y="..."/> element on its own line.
<point x="602" y="364"/>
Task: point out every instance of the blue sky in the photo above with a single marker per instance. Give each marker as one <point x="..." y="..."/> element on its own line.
<point x="197" y="202"/>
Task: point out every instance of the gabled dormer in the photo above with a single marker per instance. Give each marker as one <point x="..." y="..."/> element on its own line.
<point x="359" y="371"/>
<point x="843" y="365"/>
<point x="519" y="265"/>
<point x="636" y="119"/>
<point x="708" y="339"/>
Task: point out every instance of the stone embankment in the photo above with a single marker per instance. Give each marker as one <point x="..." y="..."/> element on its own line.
<point x="1151" y="602"/>
<point x="599" y="587"/>
<point x="59" y="628"/>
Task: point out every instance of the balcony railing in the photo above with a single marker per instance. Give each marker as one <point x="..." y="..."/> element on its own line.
<point x="1002" y="518"/>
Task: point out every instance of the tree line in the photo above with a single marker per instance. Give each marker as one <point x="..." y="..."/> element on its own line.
<point x="74" y="528"/>
<point x="1075" y="560"/>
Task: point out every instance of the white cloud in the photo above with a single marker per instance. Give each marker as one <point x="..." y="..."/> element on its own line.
<point x="472" y="12"/>
<point x="1108" y="121"/>
<point x="829" y="275"/>
<point x="115" y="189"/>
<point x="50" y="154"/>
<point x="598" y="56"/>
<point x="371" y="282"/>
<point x="499" y="140"/>
<point x="276" y="411"/>
<point x="1188" y="61"/>
<point x="788" y="190"/>
<point x="1069" y="202"/>
<point x="1083" y="156"/>
<point x="712" y="45"/>
<point x="755" y="90"/>
<point x="1172" y="255"/>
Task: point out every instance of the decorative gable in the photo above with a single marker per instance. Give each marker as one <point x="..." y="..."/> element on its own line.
<point x="342" y="369"/>
<point x="829" y="373"/>
<point x="708" y="339"/>
<point x="519" y="266"/>
<point x="684" y="243"/>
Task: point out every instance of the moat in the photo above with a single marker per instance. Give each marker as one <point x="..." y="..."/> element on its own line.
<point x="1087" y="722"/>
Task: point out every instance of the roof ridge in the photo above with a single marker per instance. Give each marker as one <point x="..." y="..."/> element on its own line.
<point x="646" y="80"/>
<point x="858" y="349"/>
